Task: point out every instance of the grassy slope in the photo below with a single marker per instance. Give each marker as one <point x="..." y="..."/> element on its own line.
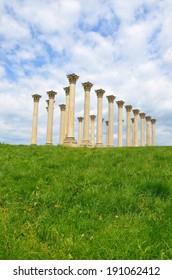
<point x="78" y="203"/>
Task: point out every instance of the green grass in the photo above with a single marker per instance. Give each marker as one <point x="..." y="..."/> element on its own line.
<point x="79" y="203"/>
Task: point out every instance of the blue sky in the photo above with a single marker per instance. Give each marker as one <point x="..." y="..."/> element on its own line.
<point x="124" y="47"/>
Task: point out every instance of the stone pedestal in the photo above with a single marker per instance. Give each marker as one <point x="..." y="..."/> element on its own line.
<point x="62" y="123"/>
<point x="110" y="99"/>
<point x="107" y="132"/>
<point x="148" y="127"/>
<point x="128" y="125"/>
<point x="142" y="129"/>
<point x="136" y="114"/>
<point x="153" y="121"/>
<point x="70" y="139"/>
<point x="36" y="98"/>
<point x="80" y="119"/>
<point x="92" y="117"/>
<point x="67" y="91"/>
<point x="132" y="122"/>
<point x="49" y="137"/>
<point x="87" y="87"/>
<point x="120" y="104"/>
<point x="99" y="93"/>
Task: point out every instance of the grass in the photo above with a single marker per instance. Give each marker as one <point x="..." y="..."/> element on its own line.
<point x="79" y="203"/>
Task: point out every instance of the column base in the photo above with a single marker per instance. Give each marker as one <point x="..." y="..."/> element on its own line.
<point x="49" y="144"/>
<point x="110" y="146"/>
<point x="86" y="143"/>
<point x="70" y="141"/>
<point x="99" y="145"/>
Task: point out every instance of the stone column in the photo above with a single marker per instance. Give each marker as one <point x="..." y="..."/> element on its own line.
<point x="92" y="117"/>
<point x="142" y="129"/>
<point x="62" y="123"/>
<point x="110" y="99"/>
<point x="128" y="125"/>
<point x="99" y="93"/>
<point x="67" y="91"/>
<point x="148" y="127"/>
<point x="153" y="121"/>
<point x="136" y="114"/>
<point x="49" y="138"/>
<point x="107" y="132"/>
<point x="70" y="139"/>
<point x="80" y="119"/>
<point x="87" y="87"/>
<point x="120" y="121"/>
<point x="132" y="121"/>
<point x="36" y="98"/>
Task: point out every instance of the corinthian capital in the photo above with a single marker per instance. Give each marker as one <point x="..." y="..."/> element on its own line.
<point x="72" y="78"/>
<point x="111" y="98"/>
<point x="142" y="115"/>
<point x="153" y="121"/>
<point x="36" y="97"/>
<point x="128" y="108"/>
<point x="100" y="92"/>
<point x="62" y="107"/>
<point x="51" y="94"/>
<point x="148" y="118"/>
<point x="136" y="112"/>
<point x="67" y="90"/>
<point x="120" y="103"/>
<point x="87" y="86"/>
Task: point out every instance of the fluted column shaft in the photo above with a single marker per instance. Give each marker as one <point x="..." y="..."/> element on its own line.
<point x="153" y="121"/>
<point x="132" y="121"/>
<point x="87" y="87"/>
<point x="120" y="121"/>
<point x="136" y="114"/>
<point x="111" y="99"/>
<point x="142" y="129"/>
<point x="99" y="93"/>
<point x="49" y="139"/>
<point x="62" y="123"/>
<point x="36" y="98"/>
<point x="92" y="117"/>
<point x="148" y="127"/>
<point x="67" y="91"/>
<point x="128" y="125"/>
<point x="80" y="119"/>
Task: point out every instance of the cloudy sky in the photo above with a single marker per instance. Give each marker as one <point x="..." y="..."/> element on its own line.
<point x="122" y="46"/>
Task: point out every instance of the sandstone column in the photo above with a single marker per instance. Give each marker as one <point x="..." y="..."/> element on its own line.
<point x="99" y="93"/>
<point x="107" y="132"/>
<point x="92" y="117"/>
<point x="80" y="119"/>
<point x="70" y="139"/>
<point x="153" y="121"/>
<point x="62" y="123"/>
<point x="120" y="121"/>
<point x="142" y="129"/>
<point x="87" y="87"/>
<point x="110" y="99"/>
<point x="136" y="114"/>
<point x="132" y="120"/>
<point x="148" y="127"/>
<point x="36" y="98"/>
<point x="67" y="91"/>
<point x="51" y="95"/>
<point x="128" y="125"/>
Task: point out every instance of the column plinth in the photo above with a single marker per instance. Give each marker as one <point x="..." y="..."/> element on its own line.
<point x="153" y="121"/>
<point x="80" y="119"/>
<point x="120" y="104"/>
<point x="142" y="129"/>
<point x="87" y="87"/>
<point x="128" y="125"/>
<point x="148" y="127"/>
<point x="62" y="123"/>
<point x="92" y="117"/>
<point x="51" y="95"/>
<point x="36" y="98"/>
<point x="136" y="114"/>
<point x="110" y="127"/>
<point x="99" y="93"/>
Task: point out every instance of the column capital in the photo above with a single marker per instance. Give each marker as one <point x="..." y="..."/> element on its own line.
<point x="51" y="94"/>
<point x="36" y="97"/>
<point x="62" y="107"/>
<point x="128" y="108"/>
<point x="142" y="115"/>
<point x="72" y="78"/>
<point x="92" y="117"/>
<point x="132" y="119"/>
<point x="136" y="112"/>
<point x="80" y="119"/>
<point x="153" y="121"/>
<point x="148" y="118"/>
<point x="107" y="122"/>
<point x="110" y="98"/>
<point x="67" y="90"/>
<point x="120" y="103"/>
<point x="100" y="92"/>
<point x="87" y="86"/>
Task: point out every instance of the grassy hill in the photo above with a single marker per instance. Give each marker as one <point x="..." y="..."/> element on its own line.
<point x="79" y="203"/>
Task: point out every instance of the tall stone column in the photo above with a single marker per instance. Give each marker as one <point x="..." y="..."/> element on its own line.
<point x="70" y="139"/>
<point x="153" y="121"/>
<point x="49" y="138"/>
<point x="107" y="132"/>
<point x="148" y="127"/>
<point x="142" y="129"/>
<point x="99" y="93"/>
<point x="128" y="125"/>
<point x="80" y="119"/>
<point x="36" y="98"/>
<point x="136" y="114"/>
<point x="132" y="121"/>
<point x="92" y="117"/>
<point x="62" y="123"/>
<point x="87" y="87"/>
<point x="110" y="99"/>
<point x="120" y="121"/>
<point x="67" y="91"/>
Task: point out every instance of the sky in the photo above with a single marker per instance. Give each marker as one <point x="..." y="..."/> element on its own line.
<point x="121" y="46"/>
